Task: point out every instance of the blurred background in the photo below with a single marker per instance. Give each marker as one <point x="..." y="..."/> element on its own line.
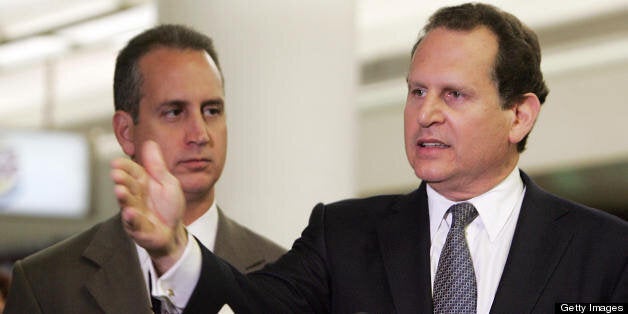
<point x="315" y="93"/>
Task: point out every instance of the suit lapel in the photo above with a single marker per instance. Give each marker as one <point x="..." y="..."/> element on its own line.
<point x="538" y="245"/>
<point x="225" y="237"/>
<point x="404" y="239"/>
<point x="232" y="246"/>
<point x="117" y="286"/>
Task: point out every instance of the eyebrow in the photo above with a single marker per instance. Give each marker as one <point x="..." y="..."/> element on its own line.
<point x="214" y="101"/>
<point x="175" y="102"/>
<point x="411" y="83"/>
<point x="447" y="84"/>
<point x="181" y="103"/>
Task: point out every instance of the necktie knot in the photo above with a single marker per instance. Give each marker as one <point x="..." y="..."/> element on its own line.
<point x="462" y="214"/>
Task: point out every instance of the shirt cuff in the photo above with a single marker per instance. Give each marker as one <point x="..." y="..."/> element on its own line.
<point x="178" y="283"/>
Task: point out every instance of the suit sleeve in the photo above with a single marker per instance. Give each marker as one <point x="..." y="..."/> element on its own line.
<point x="620" y="294"/>
<point x="21" y="298"/>
<point x="297" y="283"/>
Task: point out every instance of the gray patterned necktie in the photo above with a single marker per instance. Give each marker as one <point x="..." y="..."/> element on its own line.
<point x="455" y="289"/>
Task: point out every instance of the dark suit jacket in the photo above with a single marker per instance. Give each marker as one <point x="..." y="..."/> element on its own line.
<point x="98" y="271"/>
<point x="372" y="255"/>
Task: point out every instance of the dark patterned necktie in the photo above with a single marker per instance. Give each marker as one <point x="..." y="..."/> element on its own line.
<point x="455" y="288"/>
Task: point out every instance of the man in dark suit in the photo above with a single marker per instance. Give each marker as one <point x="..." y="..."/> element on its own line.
<point x="168" y="89"/>
<point x="476" y="236"/>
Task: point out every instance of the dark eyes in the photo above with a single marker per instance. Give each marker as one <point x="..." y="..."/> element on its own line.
<point x="455" y="94"/>
<point x="449" y="96"/>
<point x="209" y="110"/>
<point x="171" y="113"/>
<point x="418" y="92"/>
<point x="212" y="110"/>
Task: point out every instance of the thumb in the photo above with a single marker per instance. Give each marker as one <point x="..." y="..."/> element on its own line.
<point x="153" y="162"/>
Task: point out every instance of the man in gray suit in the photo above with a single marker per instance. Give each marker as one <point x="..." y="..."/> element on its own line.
<point x="168" y="89"/>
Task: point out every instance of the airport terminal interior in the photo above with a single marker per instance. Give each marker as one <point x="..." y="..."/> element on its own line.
<point x="315" y="92"/>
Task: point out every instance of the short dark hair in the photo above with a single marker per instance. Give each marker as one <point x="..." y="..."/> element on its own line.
<point x="517" y="68"/>
<point x="127" y="80"/>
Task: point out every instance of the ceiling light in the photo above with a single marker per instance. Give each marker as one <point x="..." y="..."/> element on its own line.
<point x="139" y="17"/>
<point x="38" y="48"/>
<point x="48" y="15"/>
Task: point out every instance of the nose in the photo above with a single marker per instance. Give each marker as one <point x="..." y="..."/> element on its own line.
<point x="196" y="131"/>
<point x="429" y="112"/>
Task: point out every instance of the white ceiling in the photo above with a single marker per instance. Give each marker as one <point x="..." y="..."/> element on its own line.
<point x="388" y="26"/>
<point x="56" y="57"/>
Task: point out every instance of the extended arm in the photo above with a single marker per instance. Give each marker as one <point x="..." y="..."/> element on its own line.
<point x="152" y="206"/>
<point x="296" y="283"/>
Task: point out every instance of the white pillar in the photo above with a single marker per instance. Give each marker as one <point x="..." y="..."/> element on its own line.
<point x="290" y="80"/>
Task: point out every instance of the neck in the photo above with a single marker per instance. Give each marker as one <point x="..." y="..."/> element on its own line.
<point x="196" y="206"/>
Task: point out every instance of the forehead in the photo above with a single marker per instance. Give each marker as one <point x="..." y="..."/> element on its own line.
<point x="443" y="50"/>
<point x="185" y="76"/>
<point x="162" y="62"/>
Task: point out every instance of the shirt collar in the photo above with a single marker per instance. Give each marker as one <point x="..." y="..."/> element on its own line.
<point x="204" y="228"/>
<point x="494" y="207"/>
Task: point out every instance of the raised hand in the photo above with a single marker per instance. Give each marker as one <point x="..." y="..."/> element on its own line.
<point x="152" y="205"/>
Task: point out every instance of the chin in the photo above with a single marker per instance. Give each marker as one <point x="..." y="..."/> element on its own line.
<point x="196" y="186"/>
<point x="429" y="173"/>
<point x="196" y="190"/>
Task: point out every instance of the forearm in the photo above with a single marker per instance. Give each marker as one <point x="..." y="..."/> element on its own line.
<point x="296" y="283"/>
<point x="165" y="258"/>
<point x="177" y="284"/>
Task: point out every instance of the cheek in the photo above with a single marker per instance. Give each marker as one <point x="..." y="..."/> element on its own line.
<point x="409" y="142"/>
<point x="168" y="143"/>
<point x="219" y="136"/>
<point x="169" y="154"/>
<point x="487" y="137"/>
<point x="409" y="128"/>
<point x="501" y="127"/>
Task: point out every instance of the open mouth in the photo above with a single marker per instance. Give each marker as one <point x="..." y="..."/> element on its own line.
<point x="431" y="144"/>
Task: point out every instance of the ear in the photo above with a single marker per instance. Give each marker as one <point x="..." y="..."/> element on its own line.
<point x="123" y="128"/>
<point x="525" y="113"/>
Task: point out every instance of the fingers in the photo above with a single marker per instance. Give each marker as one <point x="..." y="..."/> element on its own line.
<point x="123" y="179"/>
<point x="129" y="179"/>
<point x="129" y="167"/>
<point x="152" y="204"/>
<point x="136" y="220"/>
<point x="147" y="232"/>
<point x="139" y="226"/>
<point x="154" y="163"/>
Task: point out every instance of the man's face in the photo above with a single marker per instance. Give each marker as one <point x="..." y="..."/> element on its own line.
<point x="182" y="109"/>
<point x="456" y="134"/>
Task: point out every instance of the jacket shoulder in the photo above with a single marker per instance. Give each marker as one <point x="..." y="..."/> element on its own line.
<point x="63" y="251"/>
<point x="581" y="217"/>
<point x="354" y="209"/>
<point x="244" y="248"/>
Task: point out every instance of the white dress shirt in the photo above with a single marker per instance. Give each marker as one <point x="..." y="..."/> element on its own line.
<point x="488" y="236"/>
<point x="173" y="287"/>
